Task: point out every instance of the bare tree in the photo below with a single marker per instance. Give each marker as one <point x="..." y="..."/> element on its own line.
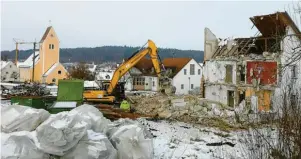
<point x="81" y="71"/>
<point x="280" y="136"/>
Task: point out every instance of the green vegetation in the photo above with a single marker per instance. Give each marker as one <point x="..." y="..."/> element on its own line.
<point x="106" y="53"/>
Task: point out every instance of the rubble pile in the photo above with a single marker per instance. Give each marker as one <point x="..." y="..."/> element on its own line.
<point x="30" y="89"/>
<point x="80" y="133"/>
<point x="188" y="108"/>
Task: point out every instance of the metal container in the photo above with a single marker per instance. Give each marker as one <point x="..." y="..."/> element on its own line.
<point x="34" y="102"/>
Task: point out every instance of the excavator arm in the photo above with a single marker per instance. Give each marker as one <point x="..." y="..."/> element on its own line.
<point x="126" y="66"/>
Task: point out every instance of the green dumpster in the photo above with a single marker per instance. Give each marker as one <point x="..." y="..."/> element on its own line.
<point x="69" y="95"/>
<point x="34" y="102"/>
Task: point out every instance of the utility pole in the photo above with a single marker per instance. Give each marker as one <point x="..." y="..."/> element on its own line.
<point x="33" y="59"/>
<point x="17" y="48"/>
<point x="16" y="57"/>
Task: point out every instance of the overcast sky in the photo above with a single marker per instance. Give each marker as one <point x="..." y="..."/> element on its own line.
<point x="169" y="24"/>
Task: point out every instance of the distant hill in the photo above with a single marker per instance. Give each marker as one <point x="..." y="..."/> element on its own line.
<point x="107" y="53"/>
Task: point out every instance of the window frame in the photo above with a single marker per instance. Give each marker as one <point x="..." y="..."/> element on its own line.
<point x="192" y="69"/>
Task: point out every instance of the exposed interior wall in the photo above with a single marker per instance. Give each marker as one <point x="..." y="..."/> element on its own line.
<point x="219" y="93"/>
<point x="263" y="98"/>
<point x="215" y="71"/>
<point x="263" y="72"/>
<point x="210" y="45"/>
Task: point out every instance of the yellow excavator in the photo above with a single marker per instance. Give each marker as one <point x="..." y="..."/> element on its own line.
<point x="106" y="94"/>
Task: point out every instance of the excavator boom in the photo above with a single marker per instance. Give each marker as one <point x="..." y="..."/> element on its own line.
<point x="126" y="66"/>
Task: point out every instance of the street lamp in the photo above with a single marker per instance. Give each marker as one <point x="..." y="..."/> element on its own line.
<point x="189" y="85"/>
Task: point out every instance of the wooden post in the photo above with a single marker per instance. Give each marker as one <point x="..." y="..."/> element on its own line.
<point x="16" y="58"/>
<point x="33" y="60"/>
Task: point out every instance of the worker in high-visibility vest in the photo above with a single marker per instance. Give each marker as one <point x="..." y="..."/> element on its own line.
<point x="125" y="105"/>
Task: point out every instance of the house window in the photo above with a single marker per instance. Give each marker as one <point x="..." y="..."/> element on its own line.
<point x="3" y="78"/>
<point x="51" y="46"/>
<point x="59" y="72"/>
<point x="9" y="66"/>
<point x="139" y="81"/>
<point x="191" y="69"/>
<point x="53" y="80"/>
<point x="229" y="73"/>
<point x="182" y="86"/>
<point x="191" y="86"/>
<point x="199" y="71"/>
<point x="242" y="74"/>
<point x="6" y="72"/>
<point x="185" y="71"/>
<point x="294" y="71"/>
<point x="153" y="83"/>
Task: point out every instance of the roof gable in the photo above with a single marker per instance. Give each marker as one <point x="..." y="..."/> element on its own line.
<point x="176" y="64"/>
<point x="52" y="68"/>
<point x="48" y="30"/>
<point x="4" y="64"/>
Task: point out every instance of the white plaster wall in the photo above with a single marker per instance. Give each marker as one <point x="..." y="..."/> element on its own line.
<point x="287" y="82"/>
<point x="218" y="93"/>
<point x="156" y="82"/>
<point x="215" y="71"/>
<point x="180" y="78"/>
<point x="129" y="84"/>
<point x="148" y="83"/>
<point x="8" y="70"/>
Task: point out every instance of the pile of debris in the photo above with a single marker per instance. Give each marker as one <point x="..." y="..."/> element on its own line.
<point x="80" y="133"/>
<point x="29" y="89"/>
<point x="187" y="108"/>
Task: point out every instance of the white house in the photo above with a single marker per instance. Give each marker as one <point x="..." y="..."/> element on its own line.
<point x="186" y="74"/>
<point x="9" y="72"/>
<point x="137" y="80"/>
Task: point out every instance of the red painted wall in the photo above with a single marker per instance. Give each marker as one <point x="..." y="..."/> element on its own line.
<point x="266" y="71"/>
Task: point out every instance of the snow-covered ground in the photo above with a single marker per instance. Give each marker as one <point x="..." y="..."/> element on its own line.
<point x="178" y="140"/>
<point x="175" y="140"/>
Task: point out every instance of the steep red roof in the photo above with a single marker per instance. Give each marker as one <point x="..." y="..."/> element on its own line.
<point x="175" y="63"/>
<point x="144" y="64"/>
<point x="46" y="33"/>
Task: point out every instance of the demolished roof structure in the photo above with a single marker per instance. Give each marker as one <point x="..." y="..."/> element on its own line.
<point x="145" y="65"/>
<point x="271" y="30"/>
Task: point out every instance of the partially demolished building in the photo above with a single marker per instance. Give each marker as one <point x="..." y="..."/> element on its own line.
<point x="247" y="70"/>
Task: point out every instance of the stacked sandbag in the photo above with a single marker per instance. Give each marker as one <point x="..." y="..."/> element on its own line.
<point x="131" y="139"/>
<point x="21" y="118"/>
<point x="93" y="116"/>
<point x="61" y="132"/>
<point x="20" y="145"/>
<point x="92" y="146"/>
